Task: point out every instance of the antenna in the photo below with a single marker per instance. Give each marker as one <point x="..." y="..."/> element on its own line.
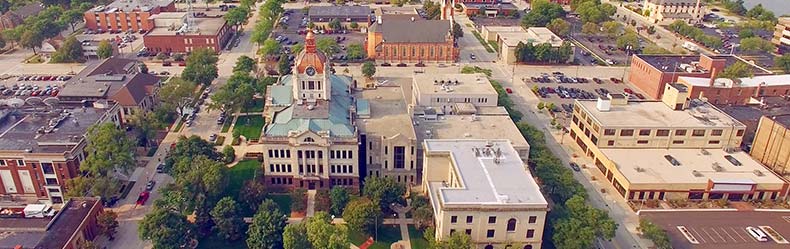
<point x="190" y="17"/>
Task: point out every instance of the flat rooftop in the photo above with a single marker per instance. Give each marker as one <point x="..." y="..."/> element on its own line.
<point x="391" y="10"/>
<point x="656" y="114"/>
<point x="675" y="63"/>
<point x="388" y="112"/>
<point x="48" y="232"/>
<point x="697" y="166"/>
<point x="403" y="31"/>
<point x="340" y="11"/>
<point x="131" y="5"/>
<point x="503" y="28"/>
<point x="205" y="26"/>
<point x="52" y="131"/>
<point x="765" y="80"/>
<point x="469" y="127"/>
<point x="466" y="84"/>
<point x="534" y="35"/>
<point x="490" y="171"/>
<point x="506" y="6"/>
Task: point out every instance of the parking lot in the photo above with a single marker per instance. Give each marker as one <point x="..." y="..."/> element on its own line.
<point x="32" y="85"/>
<point x="294" y="33"/>
<point x="716" y="229"/>
<point x="561" y="90"/>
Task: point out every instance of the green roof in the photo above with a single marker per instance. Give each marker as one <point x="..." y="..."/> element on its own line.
<point x="338" y="122"/>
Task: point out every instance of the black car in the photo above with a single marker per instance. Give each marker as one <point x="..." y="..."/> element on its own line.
<point x="402" y="65"/>
<point x="575" y="167"/>
<point x="385" y="64"/>
<point x="160" y="168"/>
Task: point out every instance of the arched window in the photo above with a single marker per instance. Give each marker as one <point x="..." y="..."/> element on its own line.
<point x="511" y="225"/>
<point x="528" y="247"/>
<point x="489" y="247"/>
<point x="309" y="140"/>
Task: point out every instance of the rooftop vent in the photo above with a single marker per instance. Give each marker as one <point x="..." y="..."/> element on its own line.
<point x="639" y="169"/>
<point x="758" y="172"/>
<point x="716" y="167"/>
<point x="705" y="152"/>
<point x="672" y="160"/>
<point x="732" y="160"/>
<point x="696" y="173"/>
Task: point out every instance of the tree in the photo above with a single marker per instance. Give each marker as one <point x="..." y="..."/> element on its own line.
<point x="654" y="49"/>
<point x="284" y="65"/>
<point x="756" y="44"/>
<point x="298" y="200"/>
<point x="783" y="62"/>
<point x="322" y="234"/>
<point x="322" y="200"/>
<point x="31" y="39"/>
<point x="354" y="25"/>
<point x="237" y="16"/>
<point x="201" y="66"/>
<point x="737" y="70"/>
<point x="384" y="191"/>
<point x="270" y="48"/>
<point x="760" y="13"/>
<point x="629" y="39"/>
<point x="422" y="211"/>
<point x="355" y="51"/>
<point x="13" y="35"/>
<point x="457" y="30"/>
<point x="104" y="50"/>
<point x="334" y="24"/>
<point x="612" y="28"/>
<point x="594" y="11"/>
<point x="296" y="49"/>
<point x="177" y="94"/>
<point x="456" y="241"/>
<point x="108" y="223"/>
<point x="590" y="28"/>
<point x="541" y="14"/>
<point x="228" y="154"/>
<point x="655" y="233"/>
<point x="253" y="193"/>
<point x="368" y="69"/>
<point x="244" y="64"/>
<point x="161" y="56"/>
<point x="266" y="230"/>
<point x="69" y="51"/>
<point x="72" y="16"/>
<point x="201" y="178"/>
<point x="339" y="198"/>
<point x="294" y="236"/>
<point x="229" y="222"/>
<point x="109" y="150"/>
<point x="78" y="186"/>
<point x="582" y="226"/>
<point x="178" y="56"/>
<point x="746" y="33"/>
<point x="145" y="125"/>
<point x="559" y="26"/>
<point x="166" y="229"/>
<point x="362" y="215"/>
<point x="327" y="45"/>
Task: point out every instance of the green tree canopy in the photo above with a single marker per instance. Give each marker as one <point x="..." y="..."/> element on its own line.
<point x="176" y="94"/>
<point x="756" y="44"/>
<point x="109" y="150"/>
<point x="737" y="70"/>
<point x="270" y="48"/>
<point x="384" y="191"/>
<point x="362" y="215"/>
<point x="237" y="16"/>
<point x="253" y="193"/>
<point x="108" y="223"/>
<point x="104" y="50"/>
<point x="201" y="66"/>
<point x="339" y="198"/>
<point x="266" y="230"/>
<point x="284" y="65"/>
<point x="559" y="26"/>
<point x="294" y="236"/>
<point x="541" y="14"/>
<point x="612" y="29"/>
<point x="31" y="39"/>
<point x="355" y="51"/>
<point x="590" y="28"/>
<point x="166" y="229"/>
<point x="228" y="220"/>
<point x="783" y="62"/>
<point x="70" y="51"/>
<point x="244" y="64"/>
<point x="327" y="45"/>
<point x="368" y="69"/>
<point x="629" y="39"/>
<point x="322" y="234"/>
<point x="582" y="226"/>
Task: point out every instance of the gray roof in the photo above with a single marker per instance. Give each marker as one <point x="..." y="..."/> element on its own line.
<point x="340" y="11"/>
<point x="113" y="78"/>
<point x="417" y="31"/>
<point x="333" y="116"/>
<point x="130" y="5"/>
<point x="20" y="131"/>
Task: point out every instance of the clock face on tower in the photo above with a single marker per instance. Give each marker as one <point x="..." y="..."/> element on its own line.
<point x="310" y="71"/>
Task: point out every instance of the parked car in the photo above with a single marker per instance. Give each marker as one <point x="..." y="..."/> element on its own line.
<point x="160" y="168"/>
<point x="143" y="197"/>
<point x="575" y="167"/>
<point x="508" y="90"/>
<point x="212" y="138"/>
<point x="150" y="185"/>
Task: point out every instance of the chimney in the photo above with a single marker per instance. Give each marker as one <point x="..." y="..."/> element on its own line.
<point x="713" y="74"/>
<point x="759" y="87"/>
<point x="604" y="104"/>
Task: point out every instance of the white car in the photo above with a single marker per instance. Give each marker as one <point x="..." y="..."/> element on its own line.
<point x="212" y="138"/>
<point x="757" y="233"/>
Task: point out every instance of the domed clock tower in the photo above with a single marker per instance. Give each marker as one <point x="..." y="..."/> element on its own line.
<point x="310" y="74"/>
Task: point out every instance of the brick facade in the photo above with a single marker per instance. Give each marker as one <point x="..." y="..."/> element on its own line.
<point x="47" y="172"/>
<point x="187" y="42"/>
<point x="135" y="20"/>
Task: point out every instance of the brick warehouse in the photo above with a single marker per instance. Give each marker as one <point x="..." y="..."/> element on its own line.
<point x="395" y="41"/>
<point x="125" y="15"/>
<point x="211" y="32"/>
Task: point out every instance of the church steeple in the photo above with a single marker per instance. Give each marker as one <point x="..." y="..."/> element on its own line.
<point x="311" y="68"/>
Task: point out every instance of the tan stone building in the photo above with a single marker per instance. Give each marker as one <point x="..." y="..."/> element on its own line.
<point x="508" y="40"/>
<point x="452" y="93"/>
<point x="483" y="188"/>
<point x="781" y="38"/>
<point x="771" y="145"/>
<point x="668" y="11"/>
<point x="673" y="149"/>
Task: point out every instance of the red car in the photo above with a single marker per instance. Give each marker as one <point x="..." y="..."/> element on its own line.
<point x="142" y="198"/>
<point x="628" y="90"/>
<point x="508" y="90"/>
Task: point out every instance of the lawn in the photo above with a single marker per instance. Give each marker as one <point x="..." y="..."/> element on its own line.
<point x="227" y="123"/>
<point x="240" y="173"/>
<point x="483" y="41"/>
<point x="284" y="201"/>
<point x="213" y="242"/>
<point x="257" y="106"/>
<point x="416" y="237"/>
<point x="388" y="234"/>
<point x="249" y="126"/>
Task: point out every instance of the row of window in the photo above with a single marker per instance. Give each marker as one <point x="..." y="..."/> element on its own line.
<point x="341" y="182"/>
<point x="341" y="169"/>
<point x="676" y="142"/>
<point x="279" y="167"/>
<point x="491" y="232"/>
<point x="284" y="153"/>
<point x="492" y="220"/>
<point x="19" y="162"/>
<point x="394" y="51"/>
<point x="341" y="154"/>
<point x="460" y="100"/>
<point x="665" y="132"/>
<point x="279" y="153"/>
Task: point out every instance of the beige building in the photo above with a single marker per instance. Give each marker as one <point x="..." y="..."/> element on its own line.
<point x="668" y="11"/>
<point x="387" y="132"/>
<point x="311" y="139"/>
<point x="771" y="145"/>
<point x="781" y="38"/>
<point x="482" y="188"/>
<point x="673" y="149"/>
<point x="508" y="39"/>
<point x="452" y="93"/>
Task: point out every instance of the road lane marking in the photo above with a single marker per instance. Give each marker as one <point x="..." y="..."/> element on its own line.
<point x="717" y="234"/>
<point x="698" y="235"/>
<point x="728" y="234"/>
<point x="711" y="237"/>
<point x="739" y="234"/>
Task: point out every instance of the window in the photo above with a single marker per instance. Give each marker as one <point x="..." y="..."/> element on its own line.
<point x="530" y="233"/>
<point x="453" y="219"/>
<point x="20" y="162"/>
<point x="677" y="142"/>
<point x="452" y="231"/>
<point x="2" y="162"/>
<point x="644" y="132"/>
<point x="698" y="133"/>
<point x="399" y="156"/>
<point x="469" y="219"/>
<point x="641" y="141"/>
<point x="608" y="132"/>
<point x="739" y="133"/>
<point x="490" y="233"/>
<point x="491" y="219"/>
<point x="713" y="142"/>
<point x="716" y="132"/>
<point x="662" y="133"/>
<point x="468" y="231"/>
<point x="680" y="132"/>
<point x="610" y="143"/>
<point x="533" y="219"/>
<point x="511" y="225"/>
<point x="309" y="140"/>
<point x="626" y="133"/>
